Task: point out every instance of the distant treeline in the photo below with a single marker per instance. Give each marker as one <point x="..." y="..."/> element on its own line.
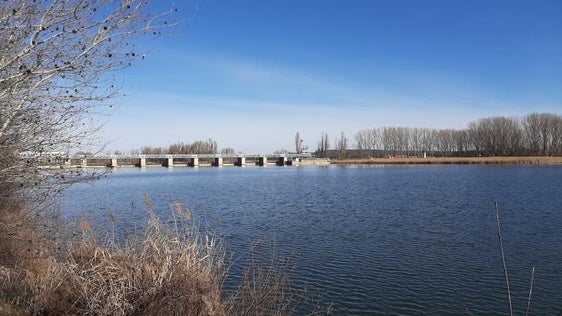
<point x="208" y="146"/>
<point x="537" y="134"/>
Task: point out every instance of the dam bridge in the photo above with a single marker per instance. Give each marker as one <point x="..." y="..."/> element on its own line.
<point x="188" y="160"/>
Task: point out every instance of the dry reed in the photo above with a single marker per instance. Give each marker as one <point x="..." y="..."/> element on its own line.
<point x="453" y="160"/>
<point x="266" y="289"/>
<point x="506" y="275"/>
<point x="505" y="270"/>
<point x="169" y="270"/>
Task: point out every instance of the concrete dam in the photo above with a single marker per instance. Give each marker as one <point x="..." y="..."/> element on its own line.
<point x="198" y="160"/>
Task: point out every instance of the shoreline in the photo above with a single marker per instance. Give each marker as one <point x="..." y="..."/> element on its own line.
<point x="527" y="160"/>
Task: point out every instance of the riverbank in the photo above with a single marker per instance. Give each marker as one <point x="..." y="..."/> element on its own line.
<point x="452" y="161"/>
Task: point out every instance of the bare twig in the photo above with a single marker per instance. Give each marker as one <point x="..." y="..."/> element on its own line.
<point x="58" y="59"/>
<point x="530" y="291"/>
<point x="503" y="258"/>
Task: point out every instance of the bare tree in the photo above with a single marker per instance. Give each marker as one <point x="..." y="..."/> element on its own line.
<point x="323" y="146"/>
<point x="366" y="141"/>
<point x="400" y="140"/>
<point x="532" y="128"/>
<point x="445" y="142"/>
<point x="462" y="142"/>
<point x="149" y="150"/>
<point x="535" y="134"/>
<point x="208" y="146"/>
<point x="57" y="61"/>
<point x="496" y="136"/>
<point x="203" y="147"/>
<point x="394" y="140"/>
<point x="298" y="143"/>
<point x="557" y="136"/>
<point x="362" y="140"/>
<point x="543" y="134"/>
<point x="375" y="139"/>
<point x="416" y="141"/>
<point x="228" y="151"/>
<point x="341" y="146"/>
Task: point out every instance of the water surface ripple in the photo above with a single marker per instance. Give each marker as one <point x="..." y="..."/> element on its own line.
<point x="401" y="240"/>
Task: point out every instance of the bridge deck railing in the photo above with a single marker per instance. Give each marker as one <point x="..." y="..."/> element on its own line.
<point x="191" y="156"/>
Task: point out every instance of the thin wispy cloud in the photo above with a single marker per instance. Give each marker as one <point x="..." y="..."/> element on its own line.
<point x="253" y="85"/>
<point x="245" y="79"/>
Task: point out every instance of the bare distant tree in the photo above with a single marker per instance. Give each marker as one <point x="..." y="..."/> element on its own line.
<point x="298" y="143"/>
<point x="509" y="135"/>
<point x="325" y="142"/>
<point x="535" y="134"/>
<point x="428" y="139"/>
<point x="496" y="136"/>
<point x="403" y="140"/>
<point x="416" y="144"/>
<point x="532" y="126"/>
<point x="203" y="147"/>
<point x="543" y="133"/>
<point x="477" y="137"/>
<point x="149" y="150"/>
<point x="208" y="146"/>
<point x="177" y="148"/>
<point x="323" y="145"/>
<point x="341" y="146"/>
<point x="362" y="141"/>
<point x="445" y="142"/>
<point x="462" y="141"/>
<point x="390" y="140"/>
<point x="57" y="60"/>
<point x="228" y="151"/>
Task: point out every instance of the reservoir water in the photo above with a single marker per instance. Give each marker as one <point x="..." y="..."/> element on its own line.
<point x="385" y="240"/>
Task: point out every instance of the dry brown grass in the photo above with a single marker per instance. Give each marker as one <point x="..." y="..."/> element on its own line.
<point x="266" y="289"/>
<point x="172" y="269"/>
<point x="24" y="245"/>
<point x="454" y="160"/>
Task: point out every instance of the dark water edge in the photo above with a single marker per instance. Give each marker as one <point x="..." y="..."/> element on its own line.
<point x="369" y="239"/>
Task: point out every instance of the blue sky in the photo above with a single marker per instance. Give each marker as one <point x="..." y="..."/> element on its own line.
<point x="250" y="74"/>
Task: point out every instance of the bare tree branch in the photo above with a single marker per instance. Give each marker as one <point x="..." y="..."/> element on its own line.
<point x="57" y="64"/>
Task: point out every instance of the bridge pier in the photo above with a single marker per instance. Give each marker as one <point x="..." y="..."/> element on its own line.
<point x="281" y="161"/>
<point x="241" y="161"/>
<point x="84" y="163"/>
<point x="113" y="162"/>
<point x="262" y="161"/>
<point x="218" y="162"/>
<point x="195" y="162"/>
<point x="142" y="162"/>
<point x="170" y="162"/>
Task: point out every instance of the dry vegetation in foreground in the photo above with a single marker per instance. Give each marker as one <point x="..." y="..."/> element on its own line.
<point x="453" y="160"/>
<point x="170" y="270"/>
